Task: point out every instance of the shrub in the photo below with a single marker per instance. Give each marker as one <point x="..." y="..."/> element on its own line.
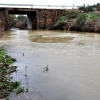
<point x="80" y="21"/>
<point x="92" y="16"/>
<point x="97" y="26"/>
<point x="60" y="21"/>
<point x="89" y="25"/>
<point x="71" y="14"/>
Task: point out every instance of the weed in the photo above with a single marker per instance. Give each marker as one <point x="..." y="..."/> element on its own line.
<point x="27" y="89"/>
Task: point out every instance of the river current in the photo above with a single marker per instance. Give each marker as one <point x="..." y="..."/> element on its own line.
<point x="73" y="60"/>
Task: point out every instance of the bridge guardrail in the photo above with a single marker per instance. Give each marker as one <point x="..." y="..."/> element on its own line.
<point x="37" y="6"/>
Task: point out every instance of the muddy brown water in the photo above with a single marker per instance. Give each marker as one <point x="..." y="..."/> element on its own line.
<point x="73" y="60"/>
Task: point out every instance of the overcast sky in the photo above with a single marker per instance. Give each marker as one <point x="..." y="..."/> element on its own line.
<point x="52" y="2"/>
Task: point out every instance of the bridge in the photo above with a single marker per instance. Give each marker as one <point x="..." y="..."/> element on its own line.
<point x="38" y="16"/>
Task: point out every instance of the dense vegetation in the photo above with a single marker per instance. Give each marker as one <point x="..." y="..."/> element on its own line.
<point x="6" y="84"/>
<point x="19" y="21"/>
<point x="90" y="8"/>
<point x="85" y="18"/>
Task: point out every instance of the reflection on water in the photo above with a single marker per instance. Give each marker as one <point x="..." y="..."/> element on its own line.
<point x="73" y="60"/>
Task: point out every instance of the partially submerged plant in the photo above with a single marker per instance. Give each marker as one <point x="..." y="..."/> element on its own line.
<point x="46" y="68"/>
<point x="27" y="89"/>
<point x="19" y="90"/>
<point x="6" y="84"/>
<point x="26" y="71"/>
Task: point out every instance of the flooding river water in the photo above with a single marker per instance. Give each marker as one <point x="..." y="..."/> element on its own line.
<point x="73" y="60"/>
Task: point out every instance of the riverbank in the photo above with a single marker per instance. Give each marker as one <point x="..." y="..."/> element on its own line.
<point x="6" y="84"/>
<point x="74" y="20"/>
<point x="1" y="33"/>
<point x="85" y="18"/>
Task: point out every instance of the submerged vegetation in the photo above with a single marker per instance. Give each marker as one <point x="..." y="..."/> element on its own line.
<point x="6" y="84"/>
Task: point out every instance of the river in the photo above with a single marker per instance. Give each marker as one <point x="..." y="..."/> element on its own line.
<point x="73" y="60"/>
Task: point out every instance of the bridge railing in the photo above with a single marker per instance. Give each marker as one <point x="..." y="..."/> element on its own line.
<point x="37" y="6"/>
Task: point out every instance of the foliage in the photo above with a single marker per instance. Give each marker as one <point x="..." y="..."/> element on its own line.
<point x="90" y="25"/>
<point x="60" y="20"/>
<point x="87" y="8"/>
<point x="12" y="20"/>
<point x="6" y="83"/>
<point x="70" y="14"/>
<point x="22" y="22"/>
<point x="66" y="21"/>
<point x="86" y="18"/>
<point x="87" y="21"/>
<point x="20" y="17"/>
<point x="16" y="17"/>
<point x="13" y="16"/>
<point x="80" y="21"/>
<point x="92" y="16"/>
<point x="97" y="26"/>
<point x="4" y="58"/>
<point x="90" y="8"/>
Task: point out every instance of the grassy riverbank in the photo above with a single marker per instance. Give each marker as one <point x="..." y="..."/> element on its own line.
<point x="86" y="18"/>
<point x="78" y="21"/>
<point x="6" y="84"/>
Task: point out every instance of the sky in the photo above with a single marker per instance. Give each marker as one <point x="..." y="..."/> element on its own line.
<point x="52" y="2"/>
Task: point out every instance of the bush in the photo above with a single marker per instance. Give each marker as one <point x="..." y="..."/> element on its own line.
<point x="97" y="26"/>
<point x="71" y="14"/>
<point x="90" y="25"/>
<point x="92" y="16"/>
<point x="20" y="17"/>
<point x="80" y="21"/>
<point x="87" y="8"/>
<point x="60" y="21"/>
